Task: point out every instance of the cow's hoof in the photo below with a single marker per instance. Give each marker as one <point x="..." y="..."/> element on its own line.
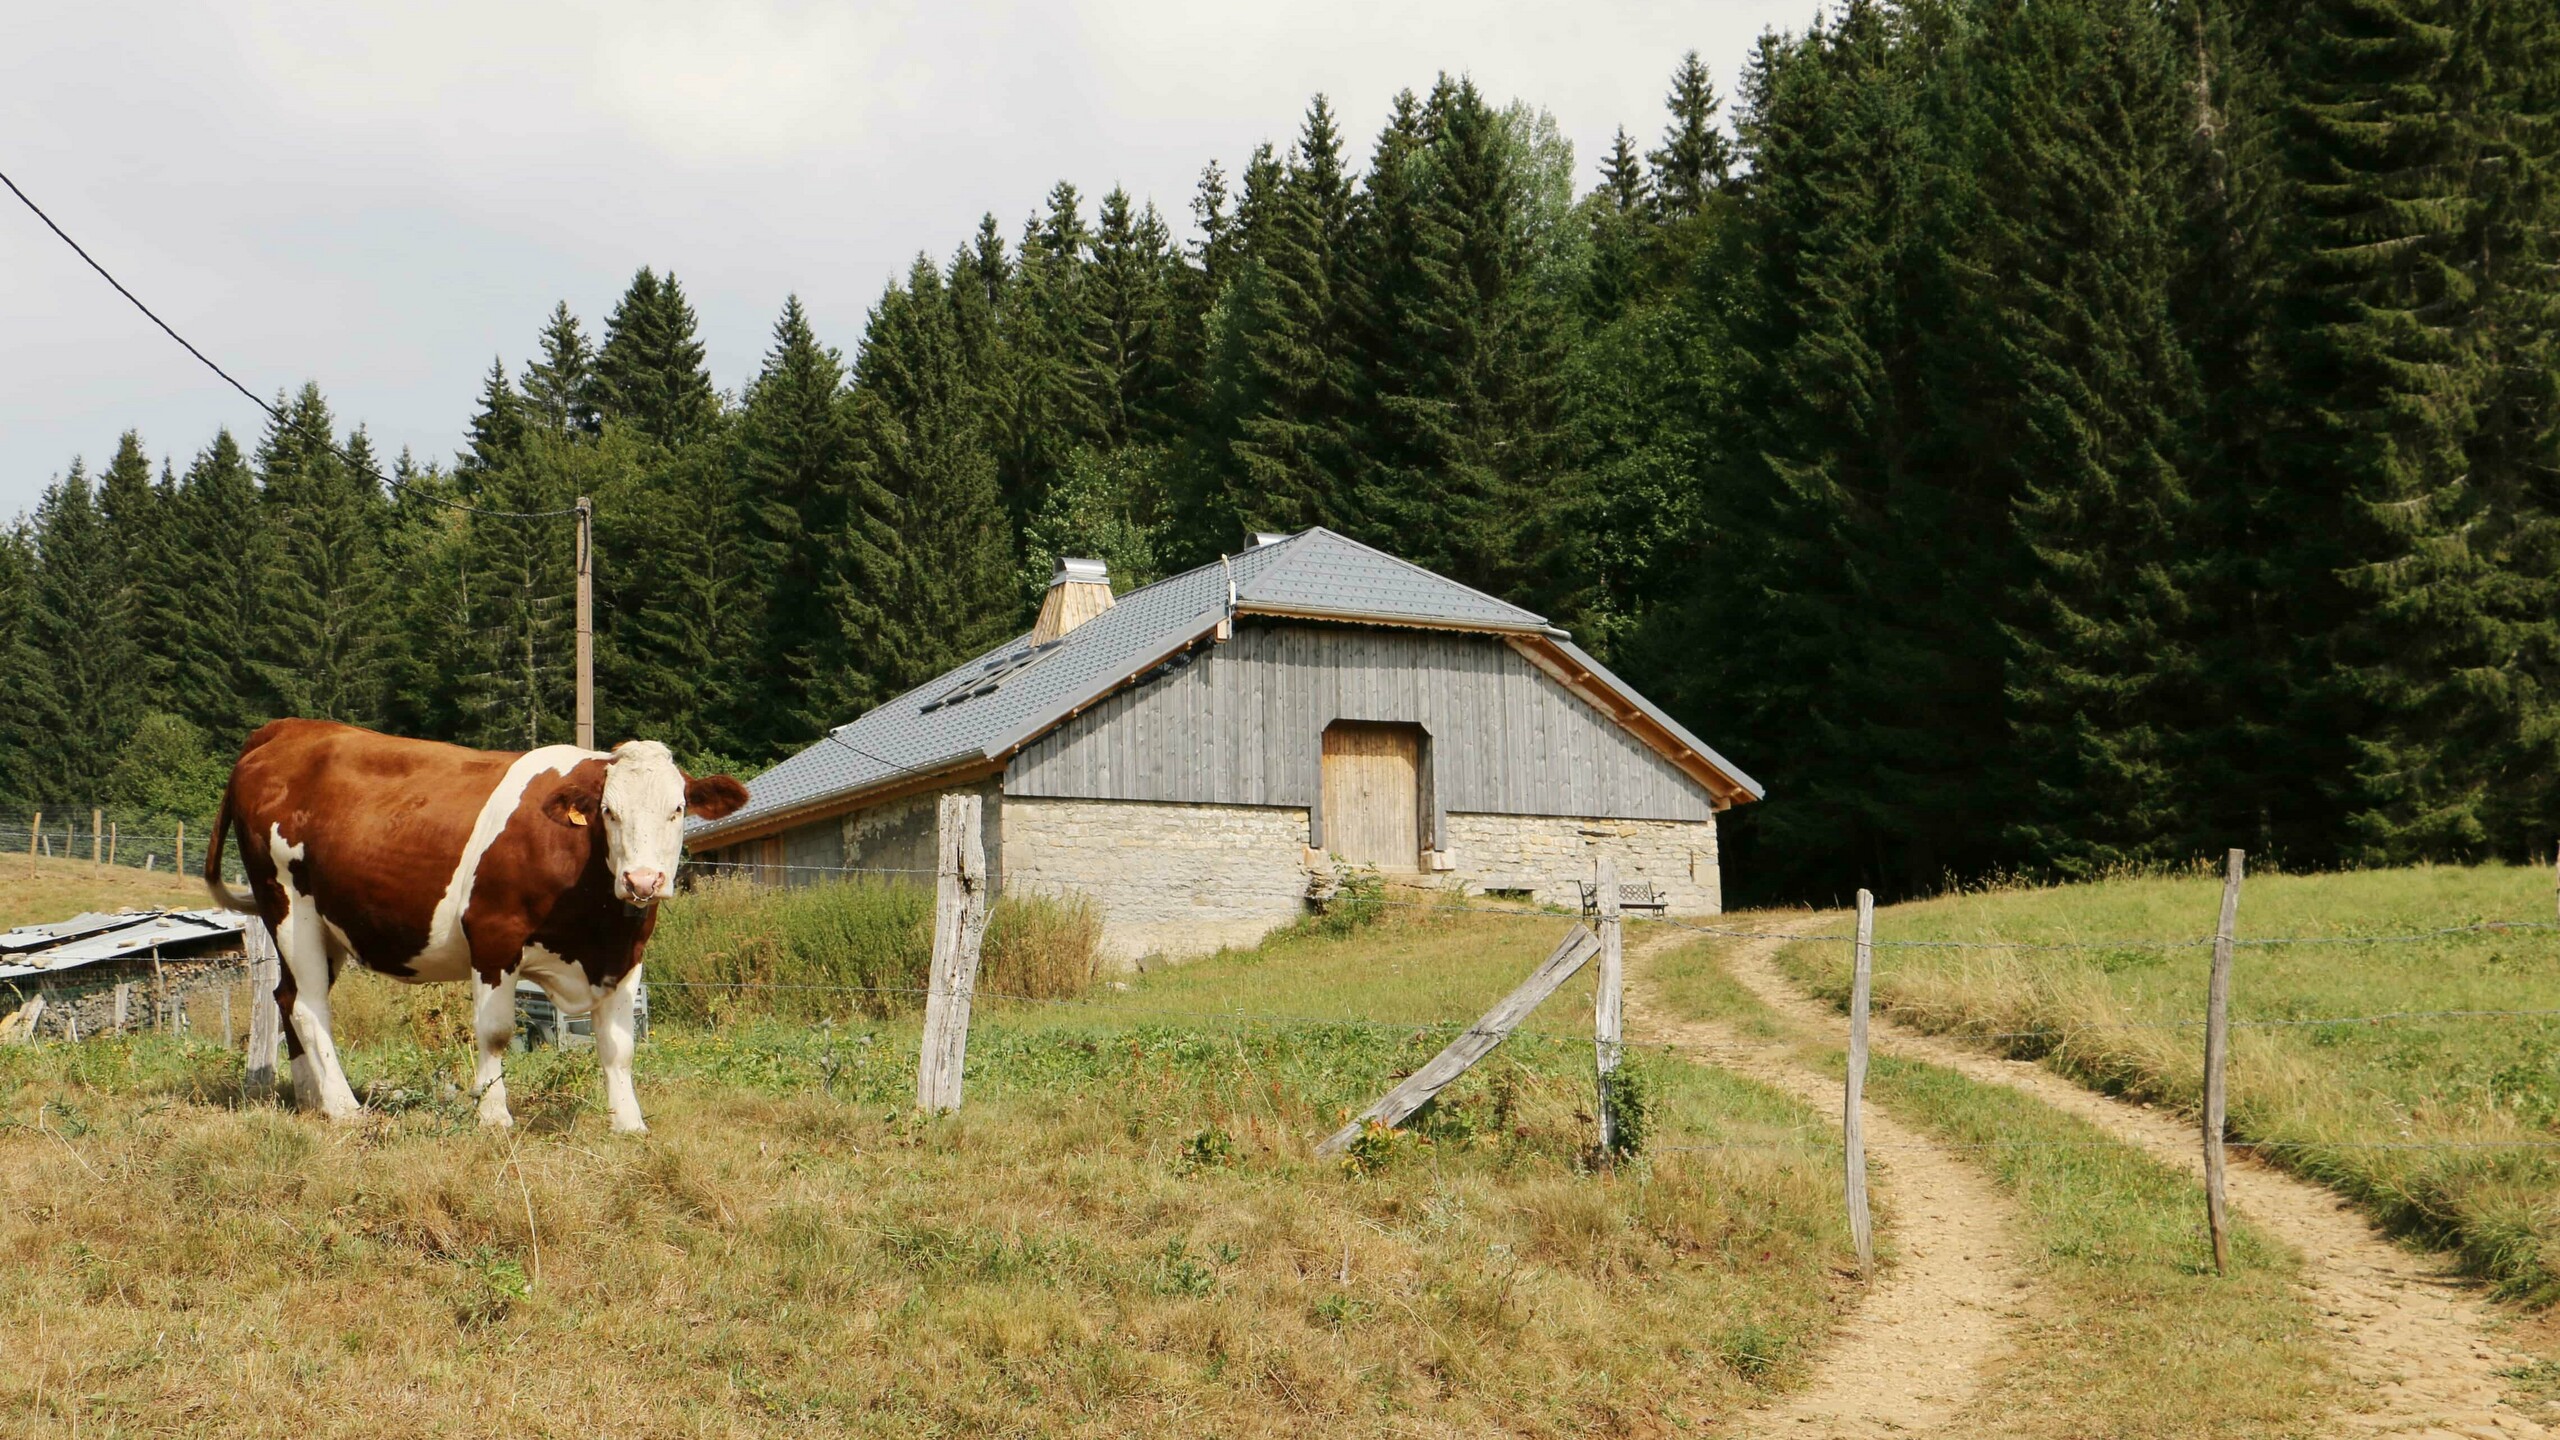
<point x="500" y="1121"/>
<point x="350" y="1115"/>
<point x="636" y="1127"/>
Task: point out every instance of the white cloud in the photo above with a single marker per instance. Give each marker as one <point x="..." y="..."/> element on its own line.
<point x="381" y="197"/>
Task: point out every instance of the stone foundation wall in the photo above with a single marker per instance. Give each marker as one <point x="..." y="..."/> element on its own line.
<point x="1171" y="880"/>
<point x="1549" y="856"/>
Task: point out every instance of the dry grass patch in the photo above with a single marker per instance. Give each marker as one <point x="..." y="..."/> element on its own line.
<point x="33" y="892"/>
<point x="1125" y="1233"/>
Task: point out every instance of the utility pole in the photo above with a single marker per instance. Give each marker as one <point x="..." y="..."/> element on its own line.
<point x="586" y="623"/>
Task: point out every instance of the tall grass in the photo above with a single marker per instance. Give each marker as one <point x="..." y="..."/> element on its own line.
<point x="733" y="949"/>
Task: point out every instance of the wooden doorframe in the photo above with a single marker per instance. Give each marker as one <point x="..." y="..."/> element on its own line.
<point x="1431" y="820"/>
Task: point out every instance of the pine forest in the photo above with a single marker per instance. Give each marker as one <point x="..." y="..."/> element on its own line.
<point x="2032" y="439"/>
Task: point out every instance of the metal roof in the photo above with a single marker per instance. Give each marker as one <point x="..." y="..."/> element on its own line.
<point x="87" y="939"/>
<point x="982" y="711"/>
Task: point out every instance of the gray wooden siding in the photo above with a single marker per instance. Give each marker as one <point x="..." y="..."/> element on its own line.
<point x="1243" y="726"/>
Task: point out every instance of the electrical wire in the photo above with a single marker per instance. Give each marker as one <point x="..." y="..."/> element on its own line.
<point x="273" y="413"/>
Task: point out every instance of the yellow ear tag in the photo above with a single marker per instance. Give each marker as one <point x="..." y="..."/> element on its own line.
<point x="577" y="817"/>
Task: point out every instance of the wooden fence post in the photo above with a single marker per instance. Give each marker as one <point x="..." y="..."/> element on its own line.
<point x="97" y="836"/>
<point x="230" y="1037"/>
<point x="1608" y="1002"/>
<point x="35" y="831"/>
<point x="959" y="924"/>
<point x="265" y="1025"/>
<point x="2217" y="1055"/>
<point x="180" y="865"/>
<point x="1853" y="1127"/>
<point x="1473" y="1045"/>
<point x="124" y="1004"/>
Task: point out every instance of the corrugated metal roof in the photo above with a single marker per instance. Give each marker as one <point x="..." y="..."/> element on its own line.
<point x="982" y="710"/>
<point x="87" y="939"/>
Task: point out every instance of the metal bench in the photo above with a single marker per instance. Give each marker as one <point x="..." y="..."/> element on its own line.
<point x="1632" y="895"/>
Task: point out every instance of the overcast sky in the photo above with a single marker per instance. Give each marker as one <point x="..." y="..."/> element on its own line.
<point x="381" y="198"/>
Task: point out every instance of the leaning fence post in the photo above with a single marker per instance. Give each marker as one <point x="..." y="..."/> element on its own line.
<point x="959" y="924"/>
<point x="2217" y="1055"/>
<point x="1608" y="1002"/>
<point x="1853" y="1129"/>
<point x="265" y="1027"/>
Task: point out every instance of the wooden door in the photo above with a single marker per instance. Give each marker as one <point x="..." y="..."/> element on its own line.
<point x="1373" y="794"/>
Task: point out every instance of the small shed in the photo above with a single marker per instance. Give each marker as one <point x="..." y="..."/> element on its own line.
<point x="1195" y="755"/>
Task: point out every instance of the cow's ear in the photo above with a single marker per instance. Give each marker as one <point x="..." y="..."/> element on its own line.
<point x="713" y="796"/>
<point x="573" y="805"/>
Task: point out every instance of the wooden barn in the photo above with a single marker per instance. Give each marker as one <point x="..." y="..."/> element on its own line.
<point x="1195" y="755"/>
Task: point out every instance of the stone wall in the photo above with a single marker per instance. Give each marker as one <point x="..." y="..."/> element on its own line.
<point x="1548" y="856"/>
<point x="896" y="842"/>
<point x="1177" y="880"/>
<point x="1170" y="879"/>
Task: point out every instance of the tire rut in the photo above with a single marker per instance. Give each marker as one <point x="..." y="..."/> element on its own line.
<point x="1921" y="1339"/>
<point x="2412" y="1337"/>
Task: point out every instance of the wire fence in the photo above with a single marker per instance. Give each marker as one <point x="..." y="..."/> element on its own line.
<point x="153" y="847"/>
<point x="149" y="846"/>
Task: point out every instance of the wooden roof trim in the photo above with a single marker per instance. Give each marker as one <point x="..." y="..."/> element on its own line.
<point x="1557" y="665"/>
<point x="1463" y="627"/>
<point x="966" y="771"/>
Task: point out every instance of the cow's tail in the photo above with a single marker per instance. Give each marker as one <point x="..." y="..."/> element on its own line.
<point x="224" y="895"/>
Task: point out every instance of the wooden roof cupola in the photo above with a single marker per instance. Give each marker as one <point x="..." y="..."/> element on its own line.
<point x="1079" y="591"/>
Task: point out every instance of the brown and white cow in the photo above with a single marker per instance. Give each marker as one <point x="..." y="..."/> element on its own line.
<point x="431" y="862"/>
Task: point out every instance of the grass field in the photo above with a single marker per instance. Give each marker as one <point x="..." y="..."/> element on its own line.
<point x="2127" y="1332"/>
<point x="1124" y="1233"/>
<point x="2357" y="1105"/>
<point x="41" y="889"/>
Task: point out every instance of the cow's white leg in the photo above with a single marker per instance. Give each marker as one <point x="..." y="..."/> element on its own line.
<point x="304" y="945"/>
<point x="493" y="1029"/>
<point x="316" y="1072"/>
<point x="613" y="1022"/>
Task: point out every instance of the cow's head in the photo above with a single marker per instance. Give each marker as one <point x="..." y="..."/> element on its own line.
<point x="641" y="806"/>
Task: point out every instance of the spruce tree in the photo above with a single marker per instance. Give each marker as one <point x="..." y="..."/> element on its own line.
<point x="1695" y="158"/>
<point x="1466" y="439"/>
<point x="1126" y="340"/>
<point x="137" y="516"/>
<point x="317" y="647"/>
<point x="33" y="716"/>
<point x="2089" y="407"/>
<point x="1294" y="448"/>
<point x="650" y="370"/>
<point x="797" y="468"/>
<point x="224" y="551"/>
<point x="80" y="622"/>
<point x="560" y="388"/>
<point x="927" y="553"/>
<point x="2384" y="377"/>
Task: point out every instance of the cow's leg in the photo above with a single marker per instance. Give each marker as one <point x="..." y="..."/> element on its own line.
<point x="493" y="1029"/>
<point x="613" y="1022"/>
<point x="317" y="1077"/>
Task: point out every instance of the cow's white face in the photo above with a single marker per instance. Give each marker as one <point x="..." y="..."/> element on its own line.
<point x="644" y="800"/>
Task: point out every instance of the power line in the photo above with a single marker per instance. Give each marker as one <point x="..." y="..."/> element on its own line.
<point x="277" y="415"/>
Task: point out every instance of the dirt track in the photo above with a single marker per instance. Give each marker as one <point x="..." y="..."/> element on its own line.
<point x="2412" y="1338"/>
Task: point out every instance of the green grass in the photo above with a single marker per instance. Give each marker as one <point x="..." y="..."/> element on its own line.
<point x="2342" y="1103"/>
<point x="2127" y="1332"/>
<point x="2132" y="1335"/>
<point x="1125" y="1231"/>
